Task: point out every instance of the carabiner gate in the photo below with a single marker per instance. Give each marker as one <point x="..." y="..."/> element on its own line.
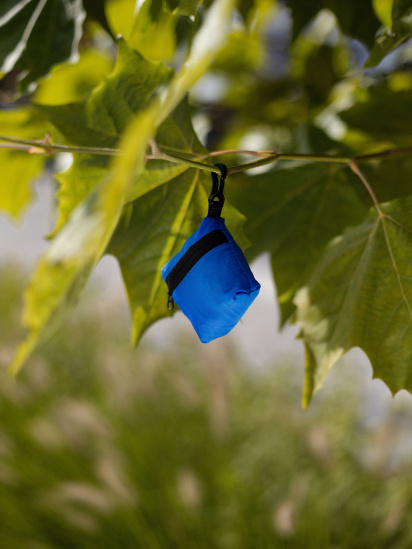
<point x="216" y="197"/>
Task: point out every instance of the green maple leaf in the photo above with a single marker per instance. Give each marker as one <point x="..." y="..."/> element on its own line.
<point x="360" y="295"/>
<point x="18" y="169"/>
<point x="100" y="120"/>
<point x="293" y="213"/>
<point x="134" y="114"/>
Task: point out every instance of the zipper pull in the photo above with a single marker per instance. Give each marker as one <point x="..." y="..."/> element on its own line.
<point x="170" y="302"/>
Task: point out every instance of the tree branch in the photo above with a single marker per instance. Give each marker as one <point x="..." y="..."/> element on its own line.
<point x="46" y="146"/>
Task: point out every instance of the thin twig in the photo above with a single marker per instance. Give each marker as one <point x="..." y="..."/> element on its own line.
<point x="290" y="156"/>
<point x="261" y="154"/>
<point x="15" y="147"/>
<point x="49" y="147"/>
<point x="194" y="161"/>
<point x="403" y="151"/>
<point x="159" y="154"/>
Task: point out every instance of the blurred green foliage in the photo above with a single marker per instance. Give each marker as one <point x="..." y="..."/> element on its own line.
<point x="102" y="447"/>
<point x="200" y="81"/>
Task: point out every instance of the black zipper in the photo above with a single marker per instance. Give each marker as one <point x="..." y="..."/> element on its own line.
<point x="190" y="258"/>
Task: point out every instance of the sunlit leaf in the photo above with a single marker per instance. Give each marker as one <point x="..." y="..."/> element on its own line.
<point x="360" y="295"/>
<point x="64" y="269"/>
<point x="100" y="120"/>
<point x="120" y="14"/>
<point x="69" y="83"/>
<point x="102" y="117"/>
<point x="78" y="246"/>
<point x="383" y="10"/>
<point x="18" y="168"/>
<point x="153" y="31"/>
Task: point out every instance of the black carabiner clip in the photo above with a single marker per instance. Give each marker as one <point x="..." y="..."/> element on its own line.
<point x="216" y="197"/>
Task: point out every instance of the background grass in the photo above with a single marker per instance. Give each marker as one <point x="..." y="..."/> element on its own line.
<point x="103" y="447"/>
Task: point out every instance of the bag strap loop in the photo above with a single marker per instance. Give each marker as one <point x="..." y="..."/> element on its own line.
<point x="216" y="197"/>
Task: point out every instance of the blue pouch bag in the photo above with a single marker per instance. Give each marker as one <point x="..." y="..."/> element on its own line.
<point x="210" y="279"/>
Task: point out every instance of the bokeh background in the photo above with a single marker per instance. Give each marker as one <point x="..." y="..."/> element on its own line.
<point x="180" y="445"/>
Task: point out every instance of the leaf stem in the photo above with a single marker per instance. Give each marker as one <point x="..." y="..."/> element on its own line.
<point x="353" y="165"/>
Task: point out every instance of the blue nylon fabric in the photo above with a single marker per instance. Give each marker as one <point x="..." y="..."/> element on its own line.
<point x="219" y="289"/>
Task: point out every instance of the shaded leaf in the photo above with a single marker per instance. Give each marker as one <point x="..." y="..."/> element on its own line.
<point x="384" y="44"/>
<point x="156" y="229"/>
<point x="293" y="213"/>
<point x="389" y="39"/>
<point x="357" y="19"/>
<point x="395" y="114"/>
<point x="95" y="9"/>
<point x="402" y="17"/>
<point x="186" y="7"/>
<point x="35" y="35"/>
<point x="391" y="177"/>
<point x="321" y="71"/>
<point x="360" y="295"/>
